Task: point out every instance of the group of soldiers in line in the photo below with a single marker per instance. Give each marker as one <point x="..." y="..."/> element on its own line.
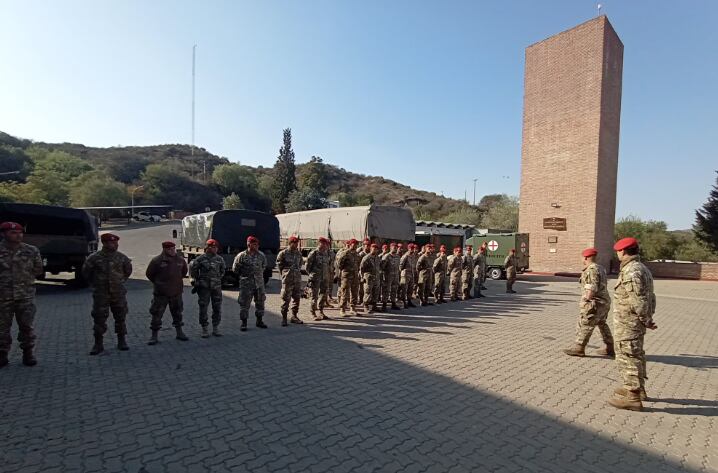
<point x="386" y="278"/>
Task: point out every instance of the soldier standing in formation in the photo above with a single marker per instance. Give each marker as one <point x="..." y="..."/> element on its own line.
<point x="249" y="266"/>
<point x="369" y="268"/>
<point x="107" y="271"/>
<point x="594" y="306"/>
<point x="320" y="277"/>
<point x="467" y="273"/>
<point x="423" y="266"/>
<point x="635" y="304"/>
<point x="390" y="282"/>
<point x="207" y="271"/>
<point x="21" y="264"/>
<point x="365" y="250"/>
<point x="289" y="263"/>
<point x="332" y="276"/>
<point x="510" y="266"/>
<point x="479" y="271"/>
<point x="483" y="249"/>
<point x="166" y="272"/>
<point x="406" y="282"/>
<point x="439" y="268"/>
<point x="348" y="266"/>
<point x="454" y="264"/>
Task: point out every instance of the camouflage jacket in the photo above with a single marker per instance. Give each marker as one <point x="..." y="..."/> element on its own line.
<point x="480" y="266"/>
<point x="510" y="265"/>
<point x="635" y="300"/>
<point x="390" y="265"/>
<point x="423" y="267"/>
<point x="593" y="279"/>
<point x="454" y="264"/>
<point x="18" y="269"/>
<point x="207" y="270"/>
<point x="370" y="265"/>
<point x="407" y="266"/>
<point x="467" y="265"/>
<point x="289" y="263"/>
<point x="361" y="254"/>
<point x="249" y="268"/>
<point x="348" y="261"/>
<point x="319" y="264"/>
<point x="440" y="264"/>
<point x="107" y="271"/>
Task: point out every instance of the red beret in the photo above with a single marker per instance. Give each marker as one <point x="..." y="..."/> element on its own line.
<point x="10" y="226"/>
<point x="457" y="248"/>
<point x="109" y="237"/>
<point x="168" y="244"/>
<point x="469" y="247"/>
<point x="252" y="239"/>
<point x="513" y="250"/>
<point x="384" y="246"/>
<point x="293" y="239"/>
<point x="367" y="241"/>
<point x="589" y="252"/>
<point x="625" y="243"/>
<point x="374" y="245"/>
<point x="400" y="245"/>
<point x="212" y="242"/>
<point x="324" y="240"/>
<point x="393" y="244"/>
<point x="442" y="247"/>
<point x="353" y="241"/>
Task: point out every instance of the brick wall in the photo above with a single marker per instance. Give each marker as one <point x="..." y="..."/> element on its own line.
<point x="572" y="104"/>
<point x="673" y="270"/>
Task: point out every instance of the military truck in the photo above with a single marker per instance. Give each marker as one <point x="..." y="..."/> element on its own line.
<point x="64" y="236"/>
<point x="231" y="229"/>
<point x="498" y="246"/>
<point x="379" y="223"/>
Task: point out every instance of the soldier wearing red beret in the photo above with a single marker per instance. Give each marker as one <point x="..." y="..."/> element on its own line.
<point x="249" y="266"/>
<point x="207" y="272"/>
<point x="289" y="263"/>
<point x="348" y="265"/>
<point x="166" y="271"/>
<point x="318" y="267"/>
<point x="510" y="265"/>
<point x="439" y="268"/>
<point x="365" y="250"/>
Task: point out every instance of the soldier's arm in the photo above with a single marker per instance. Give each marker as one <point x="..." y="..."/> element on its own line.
<point x="194" y="268"/>
<point x="87" y="268"/>
<point x="590" y="287"/>
<point x="151" y="270"/>
<point x="636" y="286"/>
<point x="37" y="268"/>
<point x="310" y="261"/>
<point x="184" y="267"/>
<point x="127" y="268"/>
<point x="222" y="268"/>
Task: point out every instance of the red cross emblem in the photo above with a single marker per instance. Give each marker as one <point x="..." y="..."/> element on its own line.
<point x="493" y="245"/>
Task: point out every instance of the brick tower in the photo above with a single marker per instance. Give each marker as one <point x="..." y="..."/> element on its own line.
<point x="569" y="154"/>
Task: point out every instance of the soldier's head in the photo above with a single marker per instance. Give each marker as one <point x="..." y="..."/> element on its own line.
<point x="457" y="250"/>
<point x="212" y="246"/>
<point x="253" y="243"/>
<point x="12" y="232"/>
<point x="589" y="256"/>
<point x="169" y="248"/>
<point x="626" y="247"/>
<point x="323" y="244"/>
<point x="367" y="245"/>
<point x="400" y="248"/>
<point x="512" y="251"/>
<point x="469" y="249"/>
<point x="374" y="248"/>
<point x="385" y="248"/>
<point x="392" y="248"/>
<point x="109" y="242"/>
<point x="293" y="242"/>
<point x="430" y="248"/>
<point x="482" y="248"/>
<point x="442" y="249"/>
<point x="352" y="244"/>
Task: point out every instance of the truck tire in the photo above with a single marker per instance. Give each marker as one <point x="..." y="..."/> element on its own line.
<point x="496" y="274"/>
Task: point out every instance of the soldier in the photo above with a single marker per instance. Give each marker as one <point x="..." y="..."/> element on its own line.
<point x="483" y="251"/>
<point x="106" y="271"/>
<point x="166" y="272"/>
<point x="249" y="266"/>
<point x="407" y="266"/>
<point x="423" y="266"/>
<point x="390" y="278"/>
<point x="329" y="296"/>
<point x="370" y="272"/>
<point x="20" y="264"/>
<point x="632" y="315"/>
<point x="365" y="250"/>
<point x="289" y="262"/>
<point x="414" y="260"/>
<point x="319" y="271"/>
<point x="454" y="264"/>
<point x="467" y="273"/>
<point x="439" y="268"/>
<point x="594" y="306"/>
<point x="479" y="271"/>
<point x="207" y="271"/>
<point x="510" y="266"/>
<point x="348" y="266"/>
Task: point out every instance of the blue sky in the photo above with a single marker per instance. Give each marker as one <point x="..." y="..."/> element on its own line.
<point x="425" y="93"/>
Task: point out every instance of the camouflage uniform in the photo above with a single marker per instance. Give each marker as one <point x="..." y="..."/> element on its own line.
<point x="370" y="273"/>
<point x="320" y="277"/>
<point x="362" y="253"/>
<point x="633" y="311"/>
<point x="207" y="270"/>
<point x="454" y="264"/>
<point x="406" y="281"/>
<point x="390" y="278"/>
<point x="332" y="275"/>
<point x="423" y="266"/>
<point x="166" y="273"/>
<point x="479" y="273"/>
<point x="467" y="275"/>
<point x="510" y="266"/>
<point x="249" y="268"/>
<point x="439" y="268"/>
<point x="593" y="312"/>
<point x="107" y="271"/>
<point x="18" y="269"/>
<point x="348" y="266"/>
<point x="289" y="262"/>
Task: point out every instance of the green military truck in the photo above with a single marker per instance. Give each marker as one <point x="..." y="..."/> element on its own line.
<point x="231" y="229"/>
<point x="498" y="246"/>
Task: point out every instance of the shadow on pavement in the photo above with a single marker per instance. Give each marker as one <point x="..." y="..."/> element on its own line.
<point x="689" y="361"/>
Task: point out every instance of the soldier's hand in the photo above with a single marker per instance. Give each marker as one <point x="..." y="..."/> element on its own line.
<point x="651" y="325"/>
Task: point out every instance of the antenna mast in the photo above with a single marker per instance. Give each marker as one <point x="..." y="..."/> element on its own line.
<point x="194" y="48"/>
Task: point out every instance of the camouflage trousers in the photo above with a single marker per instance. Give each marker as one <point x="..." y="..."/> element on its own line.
<point x="439" y="286"/>
<point x="406" y="286"/>
<point x="631" y="361"/>
<point x="23" y="310"/>
<point x="455" y="286"/>
<point x="371" y="290"/>
<point x="477" y="287"/>
<point x="205" y="297"/>
<point x="348" y="290"/>
<point x="291" y="290"/>
<point x="319" y="291"/>
<point x="247" y="293"/>
<point x="589" y="321"/>
<point x="157" y="310"/>
<point x="390" y="288"/>
<point x="510" y="280"/>
<point x="466" y="284"/>
<point x="360" y="294"/>
<point x="104" y="302"/>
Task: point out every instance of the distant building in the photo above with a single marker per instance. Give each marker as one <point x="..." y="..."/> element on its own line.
<point x="333" y="204"/>
<point x="569" y="154"/>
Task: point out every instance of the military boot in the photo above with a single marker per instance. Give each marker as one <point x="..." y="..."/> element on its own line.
<point x="606" y="351"/>
<point x="322" y="315"/>
<point x="353" y="311"/>
<point x="630" y="402"/>
<point x="122" y="343"/>
<point x="410" y="303"/>
<point x="28" y="358"/>
<point x="624" y="392"/>
<point x="296" y="320"/>
<point x="3" y="359"/>
<point x="243" y="326"/>
<point x="98" y="347"/>
<point x="576" y="350"/>
<point x="343" y="312"/>
<point x="284" y="319"/>
<point x="180" y="334"/>
<point x="369" y="309"/>
<point x="260" y="324"/>
<point x="153" y="338"/>
<point x="205" y="332"/>
<point x="215" y="331"/>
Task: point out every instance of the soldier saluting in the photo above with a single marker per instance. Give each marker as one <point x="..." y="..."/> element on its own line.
<point x="319" y="264"/>
<point x="289" y="262"/>
<point x="207" y="271"/>
<point x="20" y="264"/>
<point x="249" y="266"/>
<point x="107" y="271"/>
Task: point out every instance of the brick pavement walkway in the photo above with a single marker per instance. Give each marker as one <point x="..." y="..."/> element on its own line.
<point x="470" y="386"/>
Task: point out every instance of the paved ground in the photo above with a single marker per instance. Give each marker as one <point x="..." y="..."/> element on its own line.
<point x="471" y="386"/>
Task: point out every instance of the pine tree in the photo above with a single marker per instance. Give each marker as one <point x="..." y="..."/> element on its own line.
<point x="706" y="227"/>
<point x="285" y="179"/>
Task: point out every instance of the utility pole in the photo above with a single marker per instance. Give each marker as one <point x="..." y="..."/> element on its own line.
<point x="194" y="49"/>
<point x="475" y="191"/>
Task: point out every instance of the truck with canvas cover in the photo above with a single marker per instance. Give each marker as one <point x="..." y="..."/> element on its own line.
<point x="498" y="246"/>
<point x="231" y="229"/>
<point x="379" y="223"/>
<point x="64" y="236"/>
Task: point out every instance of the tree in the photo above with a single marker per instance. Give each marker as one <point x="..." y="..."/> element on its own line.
<point x="305" y="199"/>
<point x="706" y="226"/>
<point x="96" y="189"/>
<point x="314" y="177"/>
<point x="285" y="180"/>
<point x="62" y="164"/>
<point x="654" y="239"/>
<point x="166" y="186"/>
<point x="15" y="165"/>
<point x="466" y="216"/>
<point x="503" y="214"/>
<point x="10" y="192"/>
<point x="232" y="201"/>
